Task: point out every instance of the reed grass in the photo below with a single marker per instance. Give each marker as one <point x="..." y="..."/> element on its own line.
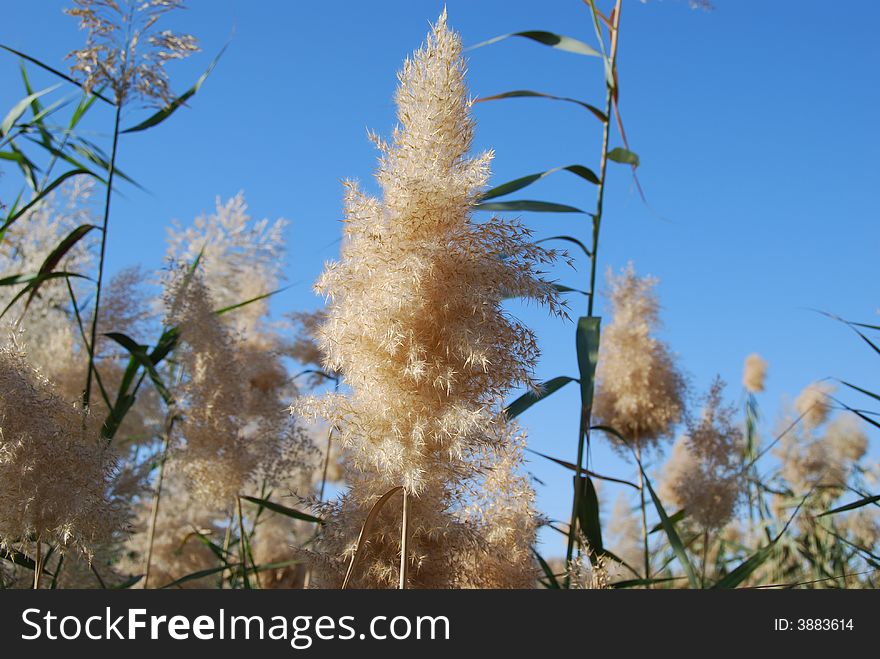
<point x="228" y="491"/>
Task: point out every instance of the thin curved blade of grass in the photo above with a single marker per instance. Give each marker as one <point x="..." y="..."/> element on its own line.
<point x="199" y="575"/>
<point x="238" y="305"/>
<point x="558" y="41"/>
<point x="56" y="72"/>
<point x="14" y="156"/>
<point x="635" y="583"/>
<point x="93" y="154"/>
<point x="85" y="104"/>
<point x="365" y="532"/>
<point x="610" y="431"/>
<point x="28" y="168"/>
<point x="865" y="325"/>
<point x="584" y="472"/>
<point x="20" y="108"/>
<point x="529" y="398"/>
<point x="570" y="239"/>
<point x="171" y="108"/>
<point x="746" y="568"/>
<point x="36" y="107"/>
<point x="624" y="156"/>
<point x="66" y="157"/>
<point x="167" y="342"/>
<point x="527" y="205"/>
<point x="587" y="344"/>
<point x="552" y="582"/>
<point x="671" y="533"/>
<point x="124" y="400"/>
<point x="588" y="515"/>
<point x="528" y="93"/>
<point x="853" y="327"/>
<point x="518" y="184"/>
<point x="139" y="353"/>
<point x="859" y="389"/>
<point x="12" y="280"/>
<point x="275" y="566"/>
<point x="562" y="288"/>
<point x="314" y="371"/>
<point x="674" y="518"/>
<point x="869" y="556"/>
<point x="859" y="413"/>
<point x="215" y="549"/>
<point x="867" y="501"/>
<point x="283" y="510"/>
<point x="42" y="194"/>
<point x="55" y="256"/>
<point x="37" y="280"/>
<point x="128" y="583"/>
<point x="753" y="562"/>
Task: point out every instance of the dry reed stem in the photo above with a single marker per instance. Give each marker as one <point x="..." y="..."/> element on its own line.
<point x="365" y="531"/>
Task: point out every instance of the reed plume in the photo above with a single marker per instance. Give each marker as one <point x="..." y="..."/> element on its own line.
<point x="124" y="49"/>
<point x="56" y="471"/>
<point x="754" y="373"/>
<point x="639" y="389"/>
<point x="704" y="475"/>
<point x="414" y="324"/>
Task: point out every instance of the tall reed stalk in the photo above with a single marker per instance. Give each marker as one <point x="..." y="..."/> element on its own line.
<point x="584" y="425"/>
<point x="111" y="170"/>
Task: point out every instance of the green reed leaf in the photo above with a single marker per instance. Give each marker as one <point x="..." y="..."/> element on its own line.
<point x="527" y="205"/>
<point x="528" y="93"/>
<point x="587" y="344"/>
<point x="559" y="41"/>
<point x="671" y="533"/>
<point x="623" y="156"/>
<point x="529" y="398"/>
<point x="55" y="72"/>
<point x="160" y="116"/>
<point x="283" y="510"/>
<point x="867" y="501"/>
<point x="570" y="239"/>
<point x="19" y="109"/>
<point x="518" y="184"/>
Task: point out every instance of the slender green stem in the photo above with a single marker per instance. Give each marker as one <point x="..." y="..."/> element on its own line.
<point x="584" y="429"/>
<point x="307" y="579"/>
<point x="242" y="550"/>
<point x="603" y="166"/>
<point x="226" y="541"/>
<point x="82" y="333"/>
<point x="111" y="170"/>
<point x="603" y="161"/>
<point x="154" y="513"/>
<point x="645" y="547"/>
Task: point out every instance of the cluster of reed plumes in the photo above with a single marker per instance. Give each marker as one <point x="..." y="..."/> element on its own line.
<point x="160" y="429"/>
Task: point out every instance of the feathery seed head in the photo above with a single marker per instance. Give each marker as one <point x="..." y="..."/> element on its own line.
<point x="415" y="327"/>
<point x="814" y="404"/>
<point x="56" y="470"/>
<point x="125" y="51"/>
<point x="704" y="473"/>
<point x="639" y="390"/>
<point x="754" y="373"/>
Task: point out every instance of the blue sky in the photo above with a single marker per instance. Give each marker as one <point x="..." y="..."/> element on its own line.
<point x="755" y="124"/>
